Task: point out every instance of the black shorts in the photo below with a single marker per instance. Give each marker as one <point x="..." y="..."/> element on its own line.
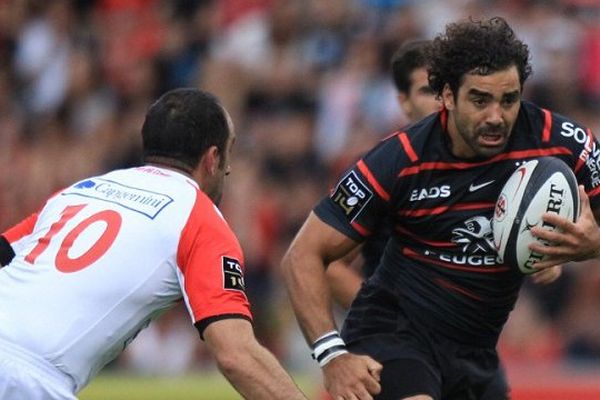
<point x="418" y="361"/>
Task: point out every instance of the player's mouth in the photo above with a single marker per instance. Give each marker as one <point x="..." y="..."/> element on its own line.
<point x="492" y="137"/>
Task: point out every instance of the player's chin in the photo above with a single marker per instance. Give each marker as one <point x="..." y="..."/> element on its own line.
<point x="490" y="151"/>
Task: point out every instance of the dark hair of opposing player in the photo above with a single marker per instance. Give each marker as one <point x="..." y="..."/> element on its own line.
<point x="409" y="57"/>
<point x="480" y="47"/>
<point x="181" y="126"/>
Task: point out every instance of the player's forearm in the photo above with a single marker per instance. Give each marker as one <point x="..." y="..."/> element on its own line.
<point x="256" y="374"/>
<point x="307" y="286"/>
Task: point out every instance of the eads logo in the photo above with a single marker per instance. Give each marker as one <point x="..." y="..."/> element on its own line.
<point x="430" y="193"/>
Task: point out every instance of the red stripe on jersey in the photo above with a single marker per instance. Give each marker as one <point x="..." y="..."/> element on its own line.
<point x="410" y="152"/>
<point x="20" y="230"/>
<point x="421" y="212"/>
<point x="390" y="136"/>
<point x="408" y="233"/>
<point x="444" y="118"/>
<point x="519" y="154"/>
<point x="547" y="125"/>
<point x="449" y="285"/>
<point x="360" y="229"/>
<point x="586" y="153"/>
<point x="593" y="192"/>
<point x="487" y="270"/>
<point x="205" y="245"/>
<point x="362" y="167"/>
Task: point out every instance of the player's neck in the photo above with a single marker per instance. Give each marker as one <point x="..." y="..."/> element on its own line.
<point x="167" y="163"/>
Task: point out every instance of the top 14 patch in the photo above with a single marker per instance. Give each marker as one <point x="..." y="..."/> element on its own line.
<point x="233" y="275"/>
<point x="352" y="195"/>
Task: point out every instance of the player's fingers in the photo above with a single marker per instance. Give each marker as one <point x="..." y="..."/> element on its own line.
<point x="584" y="199"/>
<point x="554" y="219"/>
<point x="361" y="393"/>
<point x="546" y="234"/>
<point x="374" y="369"/>
<point x="549" y="263"/>
<point x="372" y="385"/>
<point x="547" y="275"/>
<point x="540" y="248"/>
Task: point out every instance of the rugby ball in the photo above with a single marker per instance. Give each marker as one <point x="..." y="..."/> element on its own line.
<point x="542" y="185"/>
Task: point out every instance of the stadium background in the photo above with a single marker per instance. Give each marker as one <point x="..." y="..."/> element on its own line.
<point x="307" y="83"/>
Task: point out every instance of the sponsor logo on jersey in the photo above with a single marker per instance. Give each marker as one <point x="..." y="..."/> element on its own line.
<point x="476" y="242"/>
<point x="590" y="153"/>
<point x="476" y="236"/>
<point x="475" y="187"/>
<point x="430" y="193"/>
<point x="233" y="275"/>
<point x="352" y="195"/>
<point x="142" y="201"/>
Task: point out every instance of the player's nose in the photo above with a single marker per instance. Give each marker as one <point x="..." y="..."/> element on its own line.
<point x="494" y="115"/>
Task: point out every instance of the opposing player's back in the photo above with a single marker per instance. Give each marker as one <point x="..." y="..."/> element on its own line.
<point x="110" y="243"/>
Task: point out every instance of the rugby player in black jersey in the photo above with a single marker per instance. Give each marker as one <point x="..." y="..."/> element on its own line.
<point x="426" y="324"/>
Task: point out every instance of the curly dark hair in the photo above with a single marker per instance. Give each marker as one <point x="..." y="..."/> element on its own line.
<point x="481" y="47"/>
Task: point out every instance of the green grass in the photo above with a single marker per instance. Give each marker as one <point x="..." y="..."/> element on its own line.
<point x="209" y="386"/>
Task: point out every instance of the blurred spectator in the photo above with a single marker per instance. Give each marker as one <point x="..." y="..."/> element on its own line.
<point x="42" y="54"/>
<point x="581" y="321"/>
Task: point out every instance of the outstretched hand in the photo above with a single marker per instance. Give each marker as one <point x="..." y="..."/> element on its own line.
<point x="571" y="241"/>
<point x="351" y="377"/>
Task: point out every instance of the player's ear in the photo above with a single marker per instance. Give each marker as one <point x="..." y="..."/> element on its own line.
<point x="448" y="97"/>
<point x="405" y="105"/>
<point x="210" y="160"/>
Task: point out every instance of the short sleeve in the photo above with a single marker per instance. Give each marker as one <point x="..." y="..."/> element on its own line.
<point x="211" y="267"/>
<point x="360" y="201"/>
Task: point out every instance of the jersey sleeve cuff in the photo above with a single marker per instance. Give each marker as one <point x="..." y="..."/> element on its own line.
<point x="326" y="216"/>
<point x="202" y="324"/>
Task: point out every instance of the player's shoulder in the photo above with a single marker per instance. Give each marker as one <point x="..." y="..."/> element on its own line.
<point x="553" y="123"/>
<point x="408" y="143"/>
<point x="135" y="192"/>
<point x="206" y="213"/>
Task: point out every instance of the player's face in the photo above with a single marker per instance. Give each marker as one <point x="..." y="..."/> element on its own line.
<point x="420" y="101"/>
<point x="481" y="118"/>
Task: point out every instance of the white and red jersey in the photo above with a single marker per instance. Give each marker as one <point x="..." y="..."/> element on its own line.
<point x="105" y="256"/>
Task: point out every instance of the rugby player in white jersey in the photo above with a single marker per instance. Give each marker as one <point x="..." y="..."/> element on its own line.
<point x="107" y="255"/>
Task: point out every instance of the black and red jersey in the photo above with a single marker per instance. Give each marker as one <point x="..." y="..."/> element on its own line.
<point x="440" y="261"/>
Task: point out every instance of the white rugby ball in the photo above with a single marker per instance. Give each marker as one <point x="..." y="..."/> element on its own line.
<point x="542" y="185"/>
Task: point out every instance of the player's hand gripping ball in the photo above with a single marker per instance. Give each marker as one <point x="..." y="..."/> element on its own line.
<point x="543" y="185"/>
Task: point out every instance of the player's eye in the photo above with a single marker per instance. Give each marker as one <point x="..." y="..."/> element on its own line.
<point x="510" y="100"/>
<point x="479" y="101"/>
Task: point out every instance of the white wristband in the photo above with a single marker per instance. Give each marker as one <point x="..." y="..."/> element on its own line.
<point x="327" y="347"/>
<point x="331" y="356"/>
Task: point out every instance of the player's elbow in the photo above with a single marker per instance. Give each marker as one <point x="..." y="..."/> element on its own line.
<point x="293" y="264"/>
<point x="228" y="363"/>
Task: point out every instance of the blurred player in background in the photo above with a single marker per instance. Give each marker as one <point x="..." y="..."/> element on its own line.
<point x="426" y="324"/>
<point x="107" y="255"/>
<point x="417" y="100"/>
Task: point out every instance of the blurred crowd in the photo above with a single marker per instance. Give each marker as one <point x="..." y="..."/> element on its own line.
<point x="308" y="85"/>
